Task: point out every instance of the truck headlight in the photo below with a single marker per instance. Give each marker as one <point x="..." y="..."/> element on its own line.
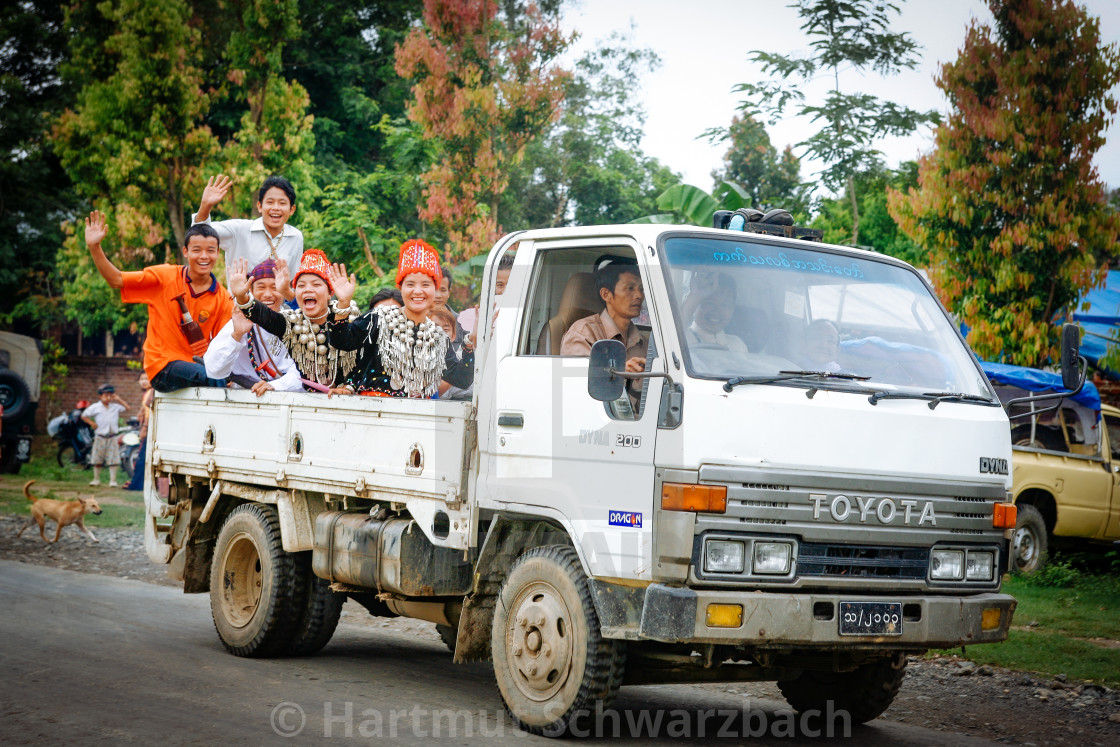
<point x="947" y="565"/>
<point x="723" y="556"/>
<point x="978" y="566"/>
<point x="772" y="557"/>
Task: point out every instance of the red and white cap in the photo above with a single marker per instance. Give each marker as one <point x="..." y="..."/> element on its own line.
<point x="418" y="256"/>
<point x="314" y="262"/>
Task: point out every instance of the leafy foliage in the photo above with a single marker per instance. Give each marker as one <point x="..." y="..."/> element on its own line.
<point x="588" y="168"/>
<point x="684" y="203"/>
<point x="1009" y="204"/>
<point x="769" y="179"/>
<point x="35" y="194"/>
<point x="485" y="85"/>
<point x="853" y="33"/>
<point x="878" y="230"/>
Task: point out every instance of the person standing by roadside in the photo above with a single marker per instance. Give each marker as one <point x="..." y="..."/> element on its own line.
<point x="104" y="417"/>
<point x="267" y="237"/>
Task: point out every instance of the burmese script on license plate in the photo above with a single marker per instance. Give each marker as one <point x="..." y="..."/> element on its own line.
<point x="871" y="618"/>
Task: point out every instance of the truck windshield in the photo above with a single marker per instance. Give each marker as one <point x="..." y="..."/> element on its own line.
<point x="747" y="309"/>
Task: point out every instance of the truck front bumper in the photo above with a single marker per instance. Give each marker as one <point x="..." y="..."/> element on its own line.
<point x="672" y="615"/>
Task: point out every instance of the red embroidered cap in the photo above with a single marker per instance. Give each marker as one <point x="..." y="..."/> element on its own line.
<point x="314" y="262"/>
<point x="418" y="256"/>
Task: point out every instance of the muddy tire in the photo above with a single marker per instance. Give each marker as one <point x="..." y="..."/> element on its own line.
<point x="1044" y="437"/>
<point x="69" y="460"/>
<point x="552" y="665"/>
<point x="864" y="693"/>
<point x="1029" y="542"/>
<point x="254" y="585"/>
<point x="319" y="609"/>
<point x="448" y="635"/>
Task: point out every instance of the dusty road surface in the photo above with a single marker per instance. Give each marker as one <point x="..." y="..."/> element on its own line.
<point x="92" y="658"/>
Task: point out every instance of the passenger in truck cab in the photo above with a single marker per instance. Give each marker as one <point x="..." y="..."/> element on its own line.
<point x="186" y="305"/>
<point x="710" y="304"/>
<point x="403" y="352"/>
<point x="822" y="347"/>
<point x="305" y="331"/>
<point x="258" y="359"/>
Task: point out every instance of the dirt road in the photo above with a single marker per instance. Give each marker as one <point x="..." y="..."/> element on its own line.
<point x="91" y="658"/>
<point x="101" y="655"/>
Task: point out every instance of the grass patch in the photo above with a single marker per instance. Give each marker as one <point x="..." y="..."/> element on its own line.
<point x="1057" y="615"/>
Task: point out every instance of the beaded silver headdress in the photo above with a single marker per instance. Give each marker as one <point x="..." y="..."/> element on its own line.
<point x="413" y="355"/>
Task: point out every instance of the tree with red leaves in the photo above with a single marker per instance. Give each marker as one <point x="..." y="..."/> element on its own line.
<point x="485" y="83"/>
<point x="1009" y="204"/>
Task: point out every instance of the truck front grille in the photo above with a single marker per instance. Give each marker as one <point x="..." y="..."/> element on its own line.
<point x="821" y="559"/>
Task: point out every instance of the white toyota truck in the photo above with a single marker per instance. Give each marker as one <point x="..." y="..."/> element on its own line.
<point x="809" y="482"/>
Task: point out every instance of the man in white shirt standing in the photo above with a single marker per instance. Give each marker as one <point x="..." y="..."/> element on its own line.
<point x="104" y="417"/>
<point x="245" y="350"/>
<point x="267" y="237"/>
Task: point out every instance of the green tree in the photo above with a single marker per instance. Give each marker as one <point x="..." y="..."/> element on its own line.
<point x="878" y="230"/>
<point x="35" y="194"/>
<point x="849" y="34"/>
<point x="485" y="85"/>
<point x="1009" y="204"/>
<point x="588" y="168"/>
<point x="770" y="179"/>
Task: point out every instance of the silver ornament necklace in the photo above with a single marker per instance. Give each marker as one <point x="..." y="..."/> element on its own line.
<point x="307" y="342"/>
<point x="413" y="355"/>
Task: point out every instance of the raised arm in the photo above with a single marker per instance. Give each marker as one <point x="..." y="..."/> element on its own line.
<point x="216" y="189"/>
<point x="96" y="231"/>
<point x="459" y="372"/>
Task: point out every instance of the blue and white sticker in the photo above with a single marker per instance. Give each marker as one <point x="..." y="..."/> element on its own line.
<point x="625" y="519"/>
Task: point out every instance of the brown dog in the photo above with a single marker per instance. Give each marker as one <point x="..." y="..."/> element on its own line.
<point x="63" y="512"/>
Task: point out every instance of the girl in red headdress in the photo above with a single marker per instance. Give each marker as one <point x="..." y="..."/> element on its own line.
<point x="401" y="352"/>
<point x="305" y="331"/>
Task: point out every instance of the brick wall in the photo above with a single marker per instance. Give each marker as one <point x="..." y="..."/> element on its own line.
<point x="86" y="374"/>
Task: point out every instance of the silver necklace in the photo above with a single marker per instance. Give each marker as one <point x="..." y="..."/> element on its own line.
<point x="414" y="355"/>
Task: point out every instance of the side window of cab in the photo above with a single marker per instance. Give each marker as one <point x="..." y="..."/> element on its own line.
<point x="580" y="295"/>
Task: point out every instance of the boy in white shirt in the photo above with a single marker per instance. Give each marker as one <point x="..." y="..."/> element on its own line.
<point x="248" y="352"/>
<point x="104" y="417"/>
<point x="267" y="237"/>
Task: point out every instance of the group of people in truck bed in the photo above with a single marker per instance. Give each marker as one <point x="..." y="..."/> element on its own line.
<point x="288" y="321"/>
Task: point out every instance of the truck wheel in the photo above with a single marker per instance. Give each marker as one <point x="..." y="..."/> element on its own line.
<point x="253" y="583"/>
<point x="551" y="663"/>
<point x="864" y="693"/>
<point x="320" y="610"/>
<point x="14" y="395"/>
<point x="448" y="635"/>
<point x="1028" y="544"/>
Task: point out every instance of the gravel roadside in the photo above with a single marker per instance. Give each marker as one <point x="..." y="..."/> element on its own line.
<point x="947" y="694"/>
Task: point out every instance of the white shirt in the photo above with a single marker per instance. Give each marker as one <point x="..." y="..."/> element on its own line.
<point x="226" y="355"/>
<point x="107" y="418"/>
<point x="247" y="239"/>
<point x="721" y="338"/>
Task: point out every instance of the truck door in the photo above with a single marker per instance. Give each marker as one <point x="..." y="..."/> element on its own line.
<point x="1112" y="433"/>
<point x="551" y="449"/>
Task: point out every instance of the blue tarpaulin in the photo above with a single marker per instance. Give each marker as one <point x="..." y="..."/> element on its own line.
<point x="1034" y="380"/>
<point x="1101" y="320"/>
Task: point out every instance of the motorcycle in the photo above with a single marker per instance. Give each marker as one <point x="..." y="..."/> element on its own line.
<point x="74" y="436"/>
<point x="75" y="441"/>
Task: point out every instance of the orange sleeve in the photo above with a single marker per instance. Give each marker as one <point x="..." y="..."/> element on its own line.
<point x="144" y="286"/>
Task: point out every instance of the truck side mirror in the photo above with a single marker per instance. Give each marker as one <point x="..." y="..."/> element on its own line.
<point x="1071" y="361"/>
<point x="606" y="355"/>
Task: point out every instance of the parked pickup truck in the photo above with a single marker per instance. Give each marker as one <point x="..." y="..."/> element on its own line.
<point x="1066" y="475"/>
<point x="808" y="502"/>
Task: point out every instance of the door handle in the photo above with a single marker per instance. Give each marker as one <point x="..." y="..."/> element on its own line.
<point x="511" y="421"/>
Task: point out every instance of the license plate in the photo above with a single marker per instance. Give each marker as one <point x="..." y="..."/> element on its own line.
<point x="871" y="618"/>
